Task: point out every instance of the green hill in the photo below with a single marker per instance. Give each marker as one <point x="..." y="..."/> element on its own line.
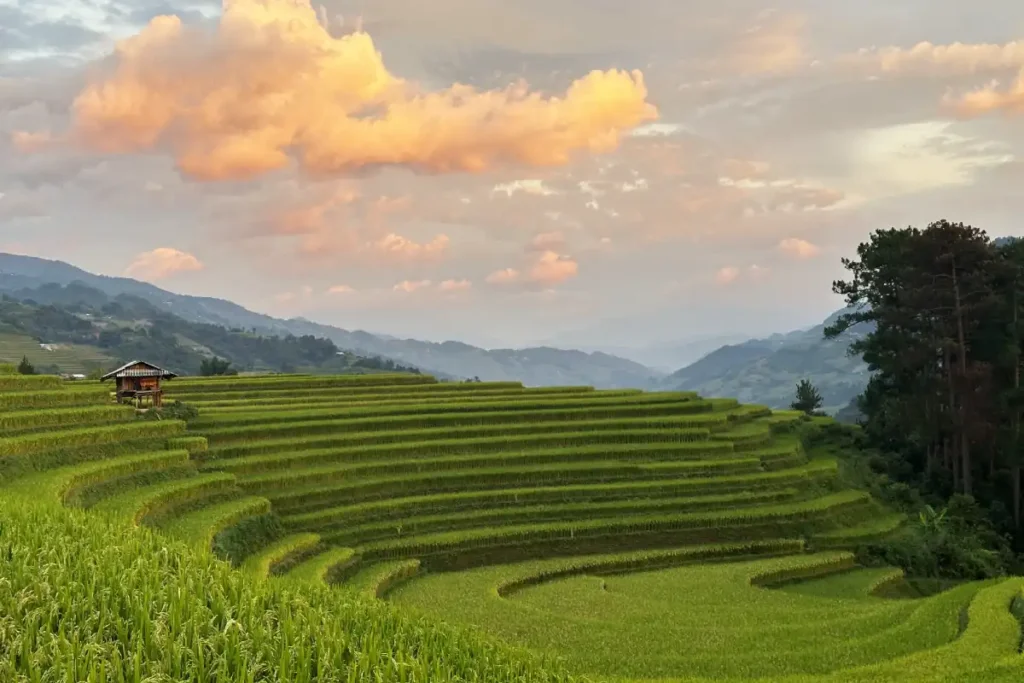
<point x="77" y="329"/>
<point x="767" y="370"/>
<point x="519" y="534"/>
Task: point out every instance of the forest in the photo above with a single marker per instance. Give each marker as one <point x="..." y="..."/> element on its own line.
<point x="942" y="414"/>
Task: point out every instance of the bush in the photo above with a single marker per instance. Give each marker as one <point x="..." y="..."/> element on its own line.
<point x="946" y="538"/>
<point x="26" y="368"/>
<point x="185" y="412"/>
<point x="216" y="367"/>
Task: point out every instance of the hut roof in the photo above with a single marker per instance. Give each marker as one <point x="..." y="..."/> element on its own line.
<point x="139" y="368"/>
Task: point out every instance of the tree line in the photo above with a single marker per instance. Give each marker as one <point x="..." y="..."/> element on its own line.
<point x="944" y="402"/>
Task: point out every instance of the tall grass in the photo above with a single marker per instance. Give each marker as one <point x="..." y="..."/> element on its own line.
<point x="88" y="600"/>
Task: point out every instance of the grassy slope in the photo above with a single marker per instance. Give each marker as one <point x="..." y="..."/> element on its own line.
<point x="68" y="357"/>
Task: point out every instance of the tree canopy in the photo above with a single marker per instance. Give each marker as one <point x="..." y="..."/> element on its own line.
<point x="945" y="398"/>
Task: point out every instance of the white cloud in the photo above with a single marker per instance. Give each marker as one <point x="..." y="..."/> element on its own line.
<point x="409" y="286"/>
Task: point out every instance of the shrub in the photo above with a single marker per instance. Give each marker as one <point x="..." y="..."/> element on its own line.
<point x="185" y="412"/>
<point x="26" y="368"/>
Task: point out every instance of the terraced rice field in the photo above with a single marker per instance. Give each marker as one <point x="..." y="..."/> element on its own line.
<point x="603" y="535"/>
<point x="68" y="357"/>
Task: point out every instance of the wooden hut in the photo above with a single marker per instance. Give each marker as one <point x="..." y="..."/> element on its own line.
<point x="138" y="381"/>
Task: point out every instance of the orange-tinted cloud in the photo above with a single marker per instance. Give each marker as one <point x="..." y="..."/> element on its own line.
<point x="505" y="276"/>
<point x="992" y="98"/>
<point x="161" y="263"/>
<point x="455" y="285"/>
<point x="549" y="269"/>
<point x="271" y="82"/>
<point x="553" y="269"/>
<point x="399" y="247"/>
<point x="798" y="248"/>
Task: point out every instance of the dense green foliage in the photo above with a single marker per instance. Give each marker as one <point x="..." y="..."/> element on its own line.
<point x="808" y="399"/>
<point x="212" y="367"/>
<point x="26" y="368"/>
<point x="944" y="404"/>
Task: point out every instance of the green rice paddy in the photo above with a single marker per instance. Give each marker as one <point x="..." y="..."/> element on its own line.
<point x="394" y="528"/>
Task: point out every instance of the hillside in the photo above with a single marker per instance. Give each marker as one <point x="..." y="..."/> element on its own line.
<point x="517" y="535"/>
<point x="533" y="366"/>
<point x="767" y="370"/>
<point x="77" y="329"/>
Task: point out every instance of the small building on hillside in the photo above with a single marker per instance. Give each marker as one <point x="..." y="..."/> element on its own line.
<point x="138" y="381"/>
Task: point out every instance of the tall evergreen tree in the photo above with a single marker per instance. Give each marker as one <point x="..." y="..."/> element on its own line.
<point x="945" y="396"/>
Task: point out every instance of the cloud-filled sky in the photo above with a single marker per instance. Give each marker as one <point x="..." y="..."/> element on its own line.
<point x="583" y="172"/>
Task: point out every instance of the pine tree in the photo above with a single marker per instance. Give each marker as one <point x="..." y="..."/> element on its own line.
<point x="26" y="368"/>
<point x="808" y="399"/>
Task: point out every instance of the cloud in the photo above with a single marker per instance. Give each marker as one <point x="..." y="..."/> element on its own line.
<point x="547" y="241"/>
<point x="455" y="285"/>
<point x="25" y="141"/>
<point x="505" y="276"/>
<point x="399" y="247"/>
<point x="410" y="286"/>
<point x="774" y="45"/>
<point x="553" y="269"/>
<point x="162" y="263"/>
<point x="340" y="289"/>
<point x="549" y="269"/>
<point x="346" y="223"/>
<point x="271" y="82"/>
<point x="727" y="275"/>
<point x="798" y="248"/>
<point x="992" y="99"/>
<point x="948" y="59"/>
<point x="527" y="186"/>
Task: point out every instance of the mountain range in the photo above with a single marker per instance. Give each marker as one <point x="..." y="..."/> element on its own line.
<point x="537" y="366"/>
<point x="764" y="370"/>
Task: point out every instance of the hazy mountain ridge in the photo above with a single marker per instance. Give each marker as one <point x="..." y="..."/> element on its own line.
<point x="767" y="370"/>
<point x="538" y="366"/>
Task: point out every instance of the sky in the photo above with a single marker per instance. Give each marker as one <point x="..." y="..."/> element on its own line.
<point x="589" y="173"/>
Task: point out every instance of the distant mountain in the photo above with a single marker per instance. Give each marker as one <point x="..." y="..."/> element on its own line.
<point x="541" y="366"/>
<point x="767" y="370"/>
<point x="75" y="328"/>
<point x="664" y="357"/>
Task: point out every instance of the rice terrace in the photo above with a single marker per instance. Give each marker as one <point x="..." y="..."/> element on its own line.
<point x="390" y="527"/>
